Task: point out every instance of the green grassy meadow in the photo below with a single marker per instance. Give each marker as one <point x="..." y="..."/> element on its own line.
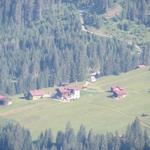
<point x="95" y="109"/>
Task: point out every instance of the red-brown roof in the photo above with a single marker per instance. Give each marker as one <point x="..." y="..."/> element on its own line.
<point x="2" y="97"/>
<point x="141" y="66"/>
<point x="63" y="90"/>
<point x="37" y="93"/>
<point x="118" y="90"/>
<point x="67" y="90"/>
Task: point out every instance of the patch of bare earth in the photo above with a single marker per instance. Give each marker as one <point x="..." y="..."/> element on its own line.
<point x="113" y="12"/>
<point x="99" y="32"/>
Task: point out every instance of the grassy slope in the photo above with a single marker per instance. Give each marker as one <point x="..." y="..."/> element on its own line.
<point x="95" y="109"/>
<point x="137" y="33"/>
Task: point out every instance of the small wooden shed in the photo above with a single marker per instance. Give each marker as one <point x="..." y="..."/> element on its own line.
<point x="5" y="100"/>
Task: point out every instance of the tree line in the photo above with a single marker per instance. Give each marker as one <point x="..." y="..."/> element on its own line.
<point x="15" y="137"/>
<point x="138" y="11"/>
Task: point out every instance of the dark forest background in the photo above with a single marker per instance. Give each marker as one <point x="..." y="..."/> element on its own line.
<point x="15" y="137"/>
<point x="42" y="44"/>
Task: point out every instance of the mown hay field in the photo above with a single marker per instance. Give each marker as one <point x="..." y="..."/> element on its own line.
<point x="95" y="109"/>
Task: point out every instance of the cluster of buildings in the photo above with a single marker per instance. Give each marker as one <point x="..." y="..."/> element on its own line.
<point x="118" y="92"/>
<point x="68" y="93"/>
<point x="63" y="93"/>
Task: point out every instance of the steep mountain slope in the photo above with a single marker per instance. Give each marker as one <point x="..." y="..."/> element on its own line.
<point x="42" y="44"/>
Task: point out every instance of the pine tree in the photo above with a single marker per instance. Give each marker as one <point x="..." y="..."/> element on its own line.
<point x="60" y="140"/>
<point x="14" y="137"/>
<point x="134" y="135"/>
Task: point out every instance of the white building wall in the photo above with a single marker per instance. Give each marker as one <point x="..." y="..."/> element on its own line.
<point x="76" y="94"/>
<point x="46" y="96"/>
<point x="93" y="79"/>
<point x="36" y="97"/>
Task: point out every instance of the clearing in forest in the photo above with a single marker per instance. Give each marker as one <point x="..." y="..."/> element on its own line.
<point x="95" y="109"/>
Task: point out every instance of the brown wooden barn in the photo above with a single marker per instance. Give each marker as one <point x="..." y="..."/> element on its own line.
<point x="5" y="100"/>
<point x="118" y="92"/>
